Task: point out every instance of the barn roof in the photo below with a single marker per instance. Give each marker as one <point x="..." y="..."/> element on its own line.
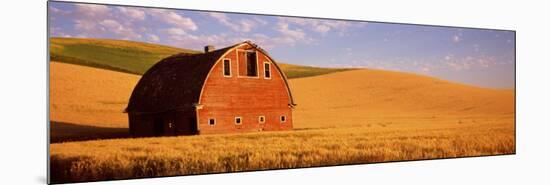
<point x="176" y="82"/>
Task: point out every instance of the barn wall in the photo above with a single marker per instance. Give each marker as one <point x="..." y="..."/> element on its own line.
<point x="141" y="125"/>
<point x="224" y="98"/>
<point x="172" y="123"/>
<point x="186" y="123"/>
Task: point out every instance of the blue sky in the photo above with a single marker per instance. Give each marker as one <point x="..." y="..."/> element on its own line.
<point x="472" y="56"/>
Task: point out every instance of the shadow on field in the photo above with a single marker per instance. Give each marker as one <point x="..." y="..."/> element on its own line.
<point x="63" y="132"/>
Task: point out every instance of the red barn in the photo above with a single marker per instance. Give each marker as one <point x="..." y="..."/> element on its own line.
<point x="235" y="89"/>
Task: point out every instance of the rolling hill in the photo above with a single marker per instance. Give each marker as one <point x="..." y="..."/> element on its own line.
<point x="136" y="57"/>
<point x="89" y="96"/>
<point x="360" y="97"/>
<point x="124" y="56"/>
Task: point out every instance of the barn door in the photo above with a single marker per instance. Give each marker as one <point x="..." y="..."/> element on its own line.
<point x="187" y="126"/>
<point x="164" y="125"/>
<point x="158" y="125"/>
<point x="185" y="123"/>
<point x="193" y="124"/>
<point x="170" y="128"/>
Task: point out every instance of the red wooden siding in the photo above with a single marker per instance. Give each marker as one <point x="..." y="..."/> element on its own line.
<point x="241" y="62"/>
<point x="224" y="98"/>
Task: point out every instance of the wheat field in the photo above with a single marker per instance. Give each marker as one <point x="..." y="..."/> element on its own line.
<point x="351" y="117"/>
<point x="168" y="156"/>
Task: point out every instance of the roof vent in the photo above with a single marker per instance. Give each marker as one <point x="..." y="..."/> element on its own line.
<point x="208" y="48"/>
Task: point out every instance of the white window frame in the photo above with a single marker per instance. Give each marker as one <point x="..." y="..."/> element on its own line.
<point x="270" y="72"/>
<point x="212" y="119"/>
<point x="223" y="67"/>
<point x="281" y="118"/>
<point x="260" y="119"/>
<point x="238" y="117"/>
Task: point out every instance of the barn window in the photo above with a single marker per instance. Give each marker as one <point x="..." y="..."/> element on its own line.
<point x="227" y="67"/>
<point x="238" y="120"/>
<point x="283" y="119"/>
<point x="267" y="70"/>
<point x="261" y="119"/>
<point x="211" y="121"/>
<point x="251" y="64"/>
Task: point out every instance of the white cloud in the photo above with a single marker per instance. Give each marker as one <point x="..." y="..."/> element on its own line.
<point x="181" y="38"/>
<point x="260" y="21"/>
<point x="458" y="66"/>
<point x="448" y="57"/>
<point x="87" y="18"/>
<point x="483" y="63"/>
<point x="184" y="39"/>
<point x="134" y="13"/>
<point x="296" y="33"/>
<point x="286" y="35"/>
<point x="456" y="38"/>
<point x="92" y="10"/>
<point x="319" y="26"/>
<point x="486" y="62"/>
<point x="115" y="27"/>
<point x="425" y="69"/>
<point x="246" y="25"/>
<point x="243" y="25"/>
<point x="262" y="40"/>
<point x="476" y="47"/>
<point x="221" y="17"/>
<point x="173" y="18"/>
<point x="57" y="32"/>
<point x="469" y="62"/>
<point x="54" y="9"/>
<point x="175" y="31"/>
<point x="98" y="20"/>
<point x="110" y="24"/>
<point x="86" y="25"/>
<point x="290" y="36"/>
<point x="58" y="11"/>
<point x="153" y="38"/>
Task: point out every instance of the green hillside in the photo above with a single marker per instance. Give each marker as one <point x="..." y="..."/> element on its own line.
<point x="137" y="57"/>
<point x="297" y="71"/>
<point x="118" y="55"/>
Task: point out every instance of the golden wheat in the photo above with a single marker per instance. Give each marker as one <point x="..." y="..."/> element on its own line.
<point x="87" y="96"/>
<point x="167" y="156"/>
<point x="341" y="118"/>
